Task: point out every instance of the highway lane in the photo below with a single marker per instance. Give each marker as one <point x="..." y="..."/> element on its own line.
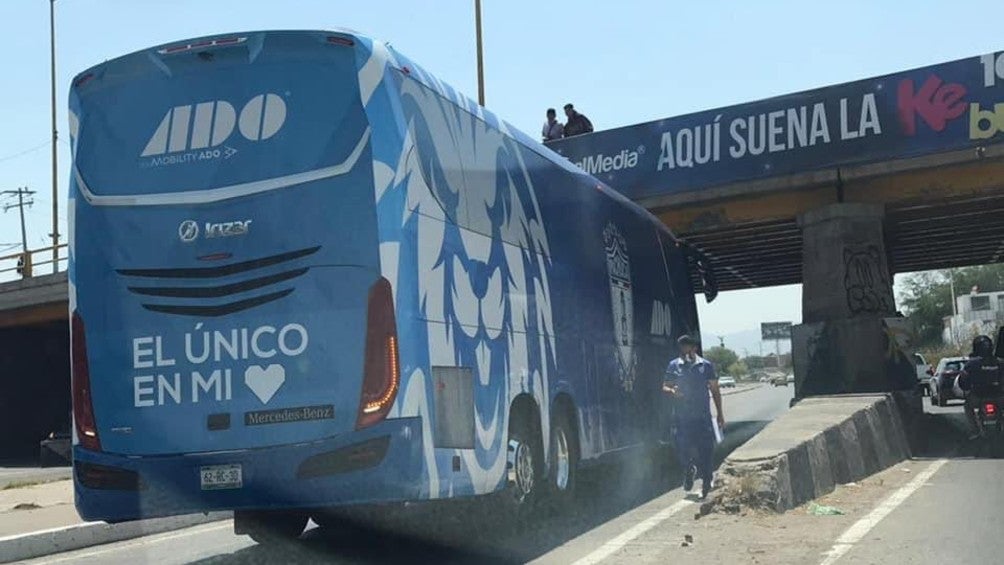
<point x="455" y="533"/>
<point x="957" y="516"/>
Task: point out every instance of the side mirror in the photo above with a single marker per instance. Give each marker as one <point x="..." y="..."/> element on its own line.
<point x="705" y="270"/>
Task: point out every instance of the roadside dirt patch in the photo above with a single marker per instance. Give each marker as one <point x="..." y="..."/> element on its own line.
<point x="26" y="506"/>
<point x="762" y="536"/>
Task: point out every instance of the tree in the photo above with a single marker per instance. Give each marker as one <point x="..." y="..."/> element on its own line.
<point x="722" y="357"/>
<point x="927" y="298"/>
<point x="738" y="369"/>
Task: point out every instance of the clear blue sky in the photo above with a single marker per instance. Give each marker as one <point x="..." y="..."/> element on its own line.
<point x="620" y="63"/>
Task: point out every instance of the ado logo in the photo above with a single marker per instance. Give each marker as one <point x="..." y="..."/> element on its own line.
<point x="209" y="124"/>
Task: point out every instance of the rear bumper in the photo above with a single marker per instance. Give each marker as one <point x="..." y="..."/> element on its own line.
<point x="330" y="472"/>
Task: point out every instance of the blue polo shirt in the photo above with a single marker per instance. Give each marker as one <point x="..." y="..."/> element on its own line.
<point x="692" y="380"/>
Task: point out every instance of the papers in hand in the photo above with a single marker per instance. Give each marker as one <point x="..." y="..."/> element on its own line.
<point x="719" y="434"/>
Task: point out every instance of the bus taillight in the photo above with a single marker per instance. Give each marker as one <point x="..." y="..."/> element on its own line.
<point x="381" y="370"/>
<point x="83" y="407"/>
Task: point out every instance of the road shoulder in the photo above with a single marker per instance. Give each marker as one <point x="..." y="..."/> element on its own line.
<point x="795" y="537"/>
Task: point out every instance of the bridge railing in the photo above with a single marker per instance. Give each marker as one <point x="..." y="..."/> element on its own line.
<point x="34" y="262"/>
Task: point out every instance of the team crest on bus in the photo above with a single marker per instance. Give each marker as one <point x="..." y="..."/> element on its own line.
<point x="622" y="303"/>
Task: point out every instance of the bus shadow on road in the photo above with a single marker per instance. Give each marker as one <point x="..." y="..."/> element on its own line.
<point x="467" y="532"/>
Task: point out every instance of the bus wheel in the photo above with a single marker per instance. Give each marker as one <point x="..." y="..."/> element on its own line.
<point x="524" y="468"/>
<point x="269" y="527"/>
<point x="564" y="455"/>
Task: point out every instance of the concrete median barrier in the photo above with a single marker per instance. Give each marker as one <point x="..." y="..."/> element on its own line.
<point x="819" y="443"/>
<point x="58" y="540"/>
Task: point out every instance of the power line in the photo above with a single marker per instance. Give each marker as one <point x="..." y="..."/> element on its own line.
<point x="25" y="151"/>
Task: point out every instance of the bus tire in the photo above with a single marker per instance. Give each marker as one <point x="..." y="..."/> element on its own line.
<point x="524" y="468"/>
<point x="564" y="461"/>
<point x="269" y="527"/>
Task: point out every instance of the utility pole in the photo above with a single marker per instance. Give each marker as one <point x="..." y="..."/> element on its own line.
<point x="955" y="312"/>
<point x="20" y="193"/>
<point x="55" y="136"/>
<point x="481" y="64"/>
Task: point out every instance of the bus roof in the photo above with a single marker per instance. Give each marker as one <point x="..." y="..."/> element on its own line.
<point x="380" y="54"/>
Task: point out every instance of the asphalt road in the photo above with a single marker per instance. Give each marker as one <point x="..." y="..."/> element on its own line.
<point x="453" y="533"/>
<point x="955" y="517"/>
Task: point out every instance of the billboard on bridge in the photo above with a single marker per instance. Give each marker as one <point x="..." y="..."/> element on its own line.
<point x="922" y="111"/>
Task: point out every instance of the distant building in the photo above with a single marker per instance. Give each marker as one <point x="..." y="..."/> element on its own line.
<point x="977" y="313"/>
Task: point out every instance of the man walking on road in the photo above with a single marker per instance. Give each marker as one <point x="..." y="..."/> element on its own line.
<point x="692" y="381"/>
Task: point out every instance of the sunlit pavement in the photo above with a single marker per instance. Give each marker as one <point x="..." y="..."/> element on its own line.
<point x="454" y="534"/>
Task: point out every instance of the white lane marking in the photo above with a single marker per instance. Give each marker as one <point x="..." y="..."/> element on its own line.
<point x="861" y="528"/>
<point x="612" y="546"/>
<point x="119" y="546"/>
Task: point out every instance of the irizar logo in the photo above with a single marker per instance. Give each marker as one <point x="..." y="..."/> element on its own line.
<point x="209" y="124"/>
<point x="227" y="229"/>
<point x="600" y="163"/>
<point x="188" y="231"/>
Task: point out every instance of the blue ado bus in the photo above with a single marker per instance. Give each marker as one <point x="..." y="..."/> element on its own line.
<point x="305" y="274"/>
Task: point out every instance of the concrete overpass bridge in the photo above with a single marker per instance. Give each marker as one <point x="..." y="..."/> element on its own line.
<point x="837" y="188"/>
<point x="922" y="147"/>
<point x="34" y="356"/>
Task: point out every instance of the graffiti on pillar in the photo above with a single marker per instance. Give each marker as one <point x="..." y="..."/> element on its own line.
<point x="865" y="281"/>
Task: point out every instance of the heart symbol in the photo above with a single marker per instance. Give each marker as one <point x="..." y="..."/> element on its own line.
<point x="264" y="382"/>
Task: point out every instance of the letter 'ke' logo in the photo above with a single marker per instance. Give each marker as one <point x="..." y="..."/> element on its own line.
<point x="209" y="124"/>
<point x="936" y="103"/>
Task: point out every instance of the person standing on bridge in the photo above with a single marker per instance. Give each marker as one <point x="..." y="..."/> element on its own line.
<point x="691" y="379"/>
<point x="577" y="123"/>
<point x="552" y="127"/>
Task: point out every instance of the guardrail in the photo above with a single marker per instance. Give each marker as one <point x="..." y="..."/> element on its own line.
<point x="34" y="262"/>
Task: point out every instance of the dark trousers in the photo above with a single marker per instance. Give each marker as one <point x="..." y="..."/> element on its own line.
<point x="695" y="445"/>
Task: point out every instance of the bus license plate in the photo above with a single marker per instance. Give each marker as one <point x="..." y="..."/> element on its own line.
<point x="217" y="477"/>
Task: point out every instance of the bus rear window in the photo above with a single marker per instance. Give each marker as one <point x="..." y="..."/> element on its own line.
<point x="292" y="108"/>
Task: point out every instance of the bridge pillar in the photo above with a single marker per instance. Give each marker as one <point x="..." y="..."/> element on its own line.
<point x="844" y="344"/>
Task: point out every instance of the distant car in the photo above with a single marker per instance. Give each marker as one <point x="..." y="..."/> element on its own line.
<point x="779" y="380"/>
<point x="942" y="383"/>
<point x="727" y="382"/>
<point x="790" y="379"/>
<point x="55" y="450"/>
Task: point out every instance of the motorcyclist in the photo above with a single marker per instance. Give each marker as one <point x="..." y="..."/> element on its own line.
<point x="980" y="379"/>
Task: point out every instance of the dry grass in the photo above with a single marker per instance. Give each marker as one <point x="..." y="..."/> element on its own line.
<point x="31" y="483"/>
